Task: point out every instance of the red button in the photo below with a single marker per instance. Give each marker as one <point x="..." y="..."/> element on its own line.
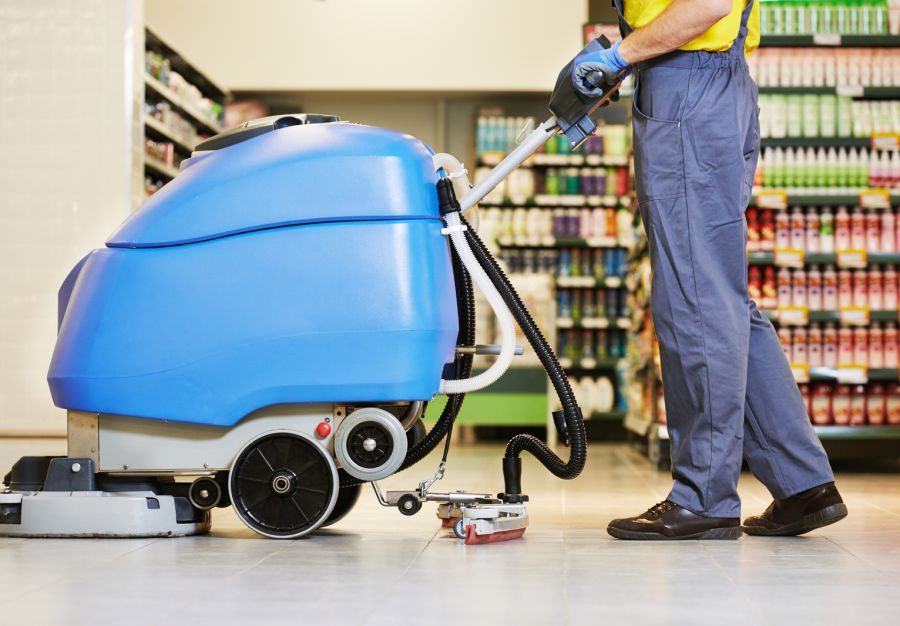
<point x="323" y="429"/>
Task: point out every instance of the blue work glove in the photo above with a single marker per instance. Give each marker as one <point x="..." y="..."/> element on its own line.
<point x="608" y="61"/>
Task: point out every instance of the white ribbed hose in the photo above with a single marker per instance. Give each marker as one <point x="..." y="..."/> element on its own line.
<point x="504" y="317"/>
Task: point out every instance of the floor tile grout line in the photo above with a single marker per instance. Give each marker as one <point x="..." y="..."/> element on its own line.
<point x="400" y="576"/>
<point x="738" y="588"/>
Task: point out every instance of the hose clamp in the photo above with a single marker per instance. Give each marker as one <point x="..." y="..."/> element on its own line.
<point x="449" y="230"/>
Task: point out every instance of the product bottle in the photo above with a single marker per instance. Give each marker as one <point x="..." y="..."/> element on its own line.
<point x="842" y="229"/>
<point x="858" y="405"/>
<point x="784" y="335"/>
<point x="753" y="232"/>
<point x="829" y="289"/>
<point x="890" y="346"/>
<point x="812" y="231"/>
<point x="857" y="230"/>
<point x="821" y="404"/>
<point x="798" y="288"/>
<point x="814" y="288"/>
<point x="876" y="346"/>
<point x="861" y="346"/>
<point x="754" y="284"/>
<point x="799" y="352"/>
<point x="840" y="405"/>
<point x="845" y="347"/>
<point x="798" y="229"/>
<point x="888" y="235"/>
<point x="807" y="399"/>
<point x="830" y="346"/>
<point x="785" y="289"/>
<point x="860" y="288"/>
<point x="782" y="230"/>
<point x="845" y="288"/>
<point x="889" y="288"/>
<point x="814" y="346"/>
<point x="826" y="231"/>
<point x="892" y="404"/>
<point x="769" y="291"/>
<point x="876" y="286"/>
<point x="875" y="405"/>
<point x="767" y="232"/>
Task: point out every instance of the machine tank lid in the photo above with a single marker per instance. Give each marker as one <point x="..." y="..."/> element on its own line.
<point x="261" y="126"/>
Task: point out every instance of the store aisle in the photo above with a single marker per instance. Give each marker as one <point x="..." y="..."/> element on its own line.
<point x="377" y="567"/>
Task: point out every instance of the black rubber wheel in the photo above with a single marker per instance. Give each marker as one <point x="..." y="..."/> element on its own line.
<point x="416" y="434"/>
<point x="369" y="445"/>
<point x="283" y="485"/>
<point x="346" y="500"/>
<point x="459" y="528"/>
<point x="205" y="493"/>
<point x="408" y="504"/>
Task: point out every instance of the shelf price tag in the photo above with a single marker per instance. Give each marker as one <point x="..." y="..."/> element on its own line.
<point x="827" y="39"/>
<point x="772" y="199"/>
<point x="793" y="315"/>
<point x="852" y="258"/>
<point x="800" y="372"/>
<point x="595" y="322"/>
<point x="789" y="257"/>
<point x="850" y="91"/>
<point x="565" y="322"/>
<point x="853" y="375"/>
<point x="854" y="315"/>
<point x="875" y="198"/>
<point x="886" y="141"/>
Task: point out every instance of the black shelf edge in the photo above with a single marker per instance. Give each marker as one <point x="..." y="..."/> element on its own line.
<point x="858" y="432"/>
<point x="825" y="200"/>
<point x="829" y="40"/>
<point x="853" y="92"/>
<point x="875" y="258"/>
<point x="838" y="142"/>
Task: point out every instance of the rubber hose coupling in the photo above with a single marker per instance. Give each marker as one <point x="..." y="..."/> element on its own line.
<point x="512" y="481"/>
<point x="447" y="202"/>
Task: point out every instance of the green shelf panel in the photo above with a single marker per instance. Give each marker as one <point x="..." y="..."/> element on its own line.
<point x="835" y="316"/>
<point x="836" y="200"/>
<point x="875" y="258"/>
<point x="865" y="92"/>
<point x="830" y="41"/>
<point x="787" y="142"/>
<point x="496" y="409"/>
<point x="517" y="380"/>
<point x="858" y="432"/>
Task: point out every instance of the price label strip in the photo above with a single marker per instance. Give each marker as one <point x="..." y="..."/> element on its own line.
<point x="854" y="258"/>
<point x="772" y="199"/>
<point x="853" y="375"/>
<point x="886" y="141"/>
<point x="875" y="198"/>
<point x="854" y="315"/>
<point x="793" y="315"/>
<point x="801" y="372"/>
<point x="789" y="257"/>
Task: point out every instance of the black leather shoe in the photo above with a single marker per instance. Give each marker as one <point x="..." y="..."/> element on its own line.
<point x="801" y="513"/>
<point x="668" y="521"/>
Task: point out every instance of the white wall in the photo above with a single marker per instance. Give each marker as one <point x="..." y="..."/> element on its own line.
<point x="66" y="138"/>
<point x="302" y="45"/>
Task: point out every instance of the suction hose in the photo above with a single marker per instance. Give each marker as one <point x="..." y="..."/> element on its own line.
<point x="462" y="368"/>
<point x="571" y="417"/>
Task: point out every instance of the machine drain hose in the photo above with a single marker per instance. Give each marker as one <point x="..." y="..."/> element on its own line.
<point x="572" y="413"/>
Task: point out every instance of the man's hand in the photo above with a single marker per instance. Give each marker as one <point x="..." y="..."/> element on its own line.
<point x="607" y="61"/>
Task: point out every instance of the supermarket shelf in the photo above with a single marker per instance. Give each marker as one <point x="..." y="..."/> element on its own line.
<point x="875" y="258"/>
<point x="875" y="375"/>
<point x="838" y="142"/>
<point x="835" y="316"/>
<point x="849" y="90"/>
<point x="181" y="105"/>
<point x="594" y="322"/>
<point x="558" y="242"/>
<point x="826" y="200"/>
<point x="830" y="40"/>
<point x="562" y="201"/>
<point x="161" y="129"/>
<point x="858" y="432"/>
<point x="609" y="416"/>
<point x="159" y="167"/>
<point x="592" y="365"/>
<point x="569" y="282"/>
<point x="559" y="160"/>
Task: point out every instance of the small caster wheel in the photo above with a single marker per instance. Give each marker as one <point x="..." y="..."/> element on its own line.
<point x="408" y="504"/>
<point x="459" y="528"/>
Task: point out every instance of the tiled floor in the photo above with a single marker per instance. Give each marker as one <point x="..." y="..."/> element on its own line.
<point x="377" y="567"/>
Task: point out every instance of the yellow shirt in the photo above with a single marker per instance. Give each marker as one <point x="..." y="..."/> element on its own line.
<point x="719" y="37"/>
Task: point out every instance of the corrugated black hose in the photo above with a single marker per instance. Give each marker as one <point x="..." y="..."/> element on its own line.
<point x="462" y="368"/>
<point x="574" y="422"/>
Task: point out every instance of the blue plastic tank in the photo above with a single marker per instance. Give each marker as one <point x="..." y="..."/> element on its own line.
<point x="304" y="264"/>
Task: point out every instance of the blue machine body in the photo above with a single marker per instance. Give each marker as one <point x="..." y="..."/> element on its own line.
<point x="300" y="265"/>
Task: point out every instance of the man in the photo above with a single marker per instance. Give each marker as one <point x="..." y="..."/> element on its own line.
<point x="729" y="390"/>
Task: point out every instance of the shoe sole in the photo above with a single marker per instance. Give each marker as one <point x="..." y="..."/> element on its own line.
<point x="732" y="532"/>
<point x="828" y="515"/>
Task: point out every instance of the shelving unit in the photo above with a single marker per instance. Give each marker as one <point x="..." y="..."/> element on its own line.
<point x="174" y="119"/>
<point x="841" y="441"/>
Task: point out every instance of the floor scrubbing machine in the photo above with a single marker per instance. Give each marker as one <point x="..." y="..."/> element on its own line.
<point x="271" y="325"/>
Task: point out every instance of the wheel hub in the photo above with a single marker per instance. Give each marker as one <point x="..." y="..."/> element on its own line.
<point x="283" y="482"/>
